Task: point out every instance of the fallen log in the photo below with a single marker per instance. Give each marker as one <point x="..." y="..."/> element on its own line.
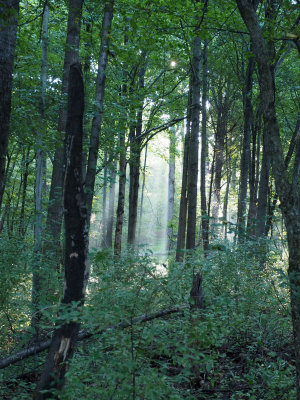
<point x="83" y="334"/>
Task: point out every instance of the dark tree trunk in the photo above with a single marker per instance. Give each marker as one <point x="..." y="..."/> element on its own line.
<point x="204" y="215"/>
<point x="288" y="192"/>
<point x="8" y="29"/>
<point x="194" y="145"/>
<point x="226" y="197"/>
<point x="135" y="160"/>
<point x="55" y="206"/>
<point x="99" y="103"/>
<point x="254" y="175"/>
<point x="76" y="243"/>
<point x="39" y="186"/>
<point x="286" y="162"/>
<point x="222" y="105"/>
<point x="134" y="178"/>
<point x="184" y="183"/>
<point x="246" y="151"/>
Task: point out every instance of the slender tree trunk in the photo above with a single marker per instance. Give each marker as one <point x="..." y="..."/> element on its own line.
<point x="194" y="146"/>
<point x="143" y="191"/>
<point x="104" y="201"/>
<point x="55" y="206"/>
<point x="212" y="176"/>
<point x="76" y="244"/>
<point x="223" y="107"/>
<point x="86" y="77"/>
<point x="135" y="160"/>
<point x="40" y="164"/>
<point x="204" y="214"/>
<point x="184" y="184"/>
<point x="262" y="204"/>
<point x="8" y="29"/>
<point x="286" y="162"/>
<point x="254" y="175"/>
<point x="121" y="196"/>
<point x="246" y="151"/>
<point x="99" y="103"/>
<point x="226" y="197"/>
<point x="288" y="192"/>
<point x="111" y="205"/>
<point x="171" y="188"/>
<point x="24" y="191"/>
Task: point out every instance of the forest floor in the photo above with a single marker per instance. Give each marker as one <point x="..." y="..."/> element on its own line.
<point x="238" y="347"/>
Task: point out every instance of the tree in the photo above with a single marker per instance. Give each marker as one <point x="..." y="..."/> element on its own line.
<point x="288" y="191"/>
<point x="55" y="205"/>
<point x="76" y="244"/>
<point x="8" y="29"/>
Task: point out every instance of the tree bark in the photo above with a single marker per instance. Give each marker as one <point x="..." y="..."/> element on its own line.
<point x="204" y="215"/>
<point x="40" y="172"/>
<point x="171" y="188"/>
<point x="194" y="145"/>
<point x="246" y="151"/>
<point x="135" y="160"/>
<point x="288" y="192"/>
<point x="111" y="205"/>
<point x="254" y="174"/>
<point x="8" y="29"/>
<point x="104" y="201"/>
<point x="55" y="205"/>
<point x="180" y="246"/>
<point x="262" y="204"/>
<point x="222" y="105"/>
<point x="99" y="103"/>
<point x="121" y="196"/>
<point x="76" y="244"/>
<point x="143" y="191"/>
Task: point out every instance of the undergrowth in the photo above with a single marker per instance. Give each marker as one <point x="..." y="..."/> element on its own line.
<point x="238" y="347"/>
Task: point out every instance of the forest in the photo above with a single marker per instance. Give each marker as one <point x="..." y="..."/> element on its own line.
<point x="149" y="199"/>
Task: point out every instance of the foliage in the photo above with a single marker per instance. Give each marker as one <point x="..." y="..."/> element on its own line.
<point x="240" y="344"/>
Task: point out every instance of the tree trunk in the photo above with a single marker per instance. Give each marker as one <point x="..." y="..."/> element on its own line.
<point x="171" y="188"/>
<point x="135" y="160"/>
<point x="143" y="191"/>
<point x="121" y="196"/>
<point x="254" y="175"/>
<point x="111" y="206"/>
<point x="286" y="162"/>
<point x="194" y="145"/>
<point x="99" y="103"/>
<point x="55" y="206"/>
<point x="40" y="164"/>
<point x="262" y="204"/>
<point x="104" y="201"/>
<point x="222" y="106"/>
<point x="24" y="191"/>
<point x="226" y="197"/>
<point x="204" y="215"/>
<point x="246" y="151"/>
<point x="288" y="192"/>
<point x="8" y="28"/>
<point x="76" y="244"/>
<point x="184" y="183"/>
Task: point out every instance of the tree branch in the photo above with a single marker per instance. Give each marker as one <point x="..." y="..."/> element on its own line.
<point x="41" y="346"/>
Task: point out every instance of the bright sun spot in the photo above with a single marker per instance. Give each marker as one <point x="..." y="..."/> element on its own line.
<point x="173" y="63"/>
